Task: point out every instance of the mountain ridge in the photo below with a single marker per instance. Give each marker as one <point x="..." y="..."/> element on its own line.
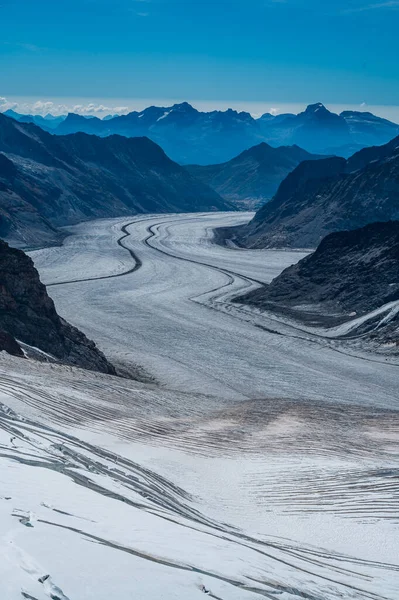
<point x="190" y="136"/>
<point x="253" y="176"/>
<point x="60" y="180"/>
<point x="328" y="195"/>
<point x="349" y="275"/>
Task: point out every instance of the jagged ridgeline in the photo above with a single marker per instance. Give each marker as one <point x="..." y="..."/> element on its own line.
<point x="190" y="136"/>
<point x="328" y="195"/>
<point x="48" y="181"/>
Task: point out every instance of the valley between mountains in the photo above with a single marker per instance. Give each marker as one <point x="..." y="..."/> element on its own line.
<point x="276" y="477"/>
<point x="173" y="315"/>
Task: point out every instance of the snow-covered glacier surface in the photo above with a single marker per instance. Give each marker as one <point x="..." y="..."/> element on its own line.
<point x="261" y="462"/>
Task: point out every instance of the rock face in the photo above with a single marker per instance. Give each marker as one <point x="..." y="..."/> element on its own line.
<point x="351" y="280"/>
<point x="28" y="314"/>
<point x="9" y="344"/>
<point x="48" y="181"/>
<point x="21" y="197"/>
<point x="252" y="177"/>
<point x="328" y="195"/>
<point x="351" y="272"/>
<point x="190" y="136"/>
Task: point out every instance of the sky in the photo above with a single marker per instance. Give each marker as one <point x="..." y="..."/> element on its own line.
<point x="117" y="55"/>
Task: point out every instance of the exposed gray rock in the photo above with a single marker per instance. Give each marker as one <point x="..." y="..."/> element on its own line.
<point x="323" y="196"/>
<point x="28" y="314"/>
<point x="350" y="274"/>
<point x="9" y="344"/>
<point x="253" y="177"/>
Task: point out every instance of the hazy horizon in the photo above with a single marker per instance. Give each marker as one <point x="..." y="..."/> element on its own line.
<point x="253" y="55"/>
<point x="101" y="107"/>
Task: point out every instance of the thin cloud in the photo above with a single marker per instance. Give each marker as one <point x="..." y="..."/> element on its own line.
<point x="42" y="107"/>
<point x="24" y="46"/>
<point x="390" y="4"/>
<point x="98" y="109"/>
<point x="144" y="5"/>
<point x="30" y="47"/>
<point x="6" y="105"/>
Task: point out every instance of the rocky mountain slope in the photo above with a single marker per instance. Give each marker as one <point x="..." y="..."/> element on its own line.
<point x="190" y="136"/>
<point x="27" y="314"/>
<point x="349" y="275"/>
<point x="21" y="196"/>
<point x="323" y="196"/>
<point x="48" y="181"/>
<point x="252" y="177"/>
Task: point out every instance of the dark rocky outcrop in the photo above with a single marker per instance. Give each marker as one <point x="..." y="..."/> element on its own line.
<point x="21" y="196"/>
<point x="28" y="315"/>
<point x="253" y="177"/>
<point x="47" y="181"/>
<point x="328" y="195"/>
<point x="350" y="274"/>
<point x="9" y="344"/>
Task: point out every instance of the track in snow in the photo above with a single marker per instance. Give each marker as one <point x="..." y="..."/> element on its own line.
<point x="78" y="484"/>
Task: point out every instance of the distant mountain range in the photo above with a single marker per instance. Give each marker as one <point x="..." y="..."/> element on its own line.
<point x="328" y="195"/>
<point x="48" y="122"/>
<point x="189" y="136"/>
<point x="319" y="130"/>
<point x="47" y="181"/>
<point x="253" y="177"/>
<point x="349" y="275"/>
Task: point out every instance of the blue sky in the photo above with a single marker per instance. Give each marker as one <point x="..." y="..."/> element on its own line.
<point x="221" y="52"/>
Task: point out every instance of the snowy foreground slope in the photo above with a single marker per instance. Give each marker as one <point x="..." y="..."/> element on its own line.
<point x="118" y="490"/>
<point x="273" y="477"/>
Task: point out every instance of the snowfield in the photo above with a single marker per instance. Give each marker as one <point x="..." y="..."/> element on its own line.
<point x="261" y="462"/>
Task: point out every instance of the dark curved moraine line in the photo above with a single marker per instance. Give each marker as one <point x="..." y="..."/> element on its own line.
<point x="119" y="241"/>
